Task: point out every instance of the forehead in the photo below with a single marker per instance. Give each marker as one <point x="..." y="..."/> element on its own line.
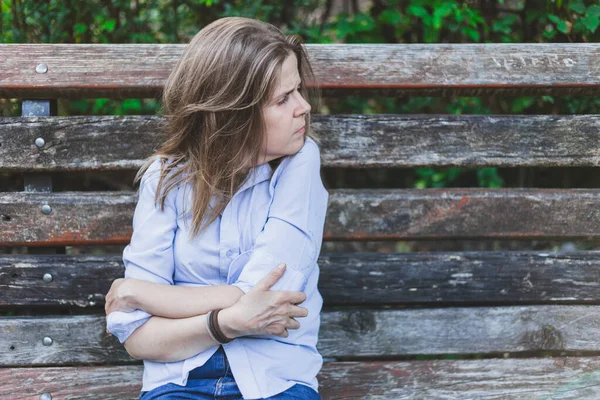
<point x="289" y="75"/>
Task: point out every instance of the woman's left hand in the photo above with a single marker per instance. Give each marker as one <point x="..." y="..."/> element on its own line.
<point x="120" y="296"/>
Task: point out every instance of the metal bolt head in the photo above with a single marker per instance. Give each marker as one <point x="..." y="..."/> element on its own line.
<point x="41" y="68"/>
<point x="46" y="209"/>
<point x="47" y="277"/>
<point x="47" y="341"/>
<point x="46" y="396"/>
<point x="39" y="142"/>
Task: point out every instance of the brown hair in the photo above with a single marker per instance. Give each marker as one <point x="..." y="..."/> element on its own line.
<point x="213" y="103"/>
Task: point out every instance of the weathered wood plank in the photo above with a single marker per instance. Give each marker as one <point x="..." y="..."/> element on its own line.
<point x="76" y="217"/>
<point x="557" y="378"/>
<point x="344" y="334"/>
<point x="461" y="213"/>
<point x="346" y="278"/>
<point x="540" y="378"/>
<point x="117" y="143"/>
<point x="79" y="218"/>
<point x="140" y="70"/>
<point x="460" y="277"/>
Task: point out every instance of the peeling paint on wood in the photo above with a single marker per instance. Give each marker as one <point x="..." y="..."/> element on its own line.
<point x="569" y="378"/>
<point x="344" y="333"/>
<point x="123" y="142"/>
<point x="140" y="70"/>
<point x="469" y="278"/>
<point x="80" y="218"/>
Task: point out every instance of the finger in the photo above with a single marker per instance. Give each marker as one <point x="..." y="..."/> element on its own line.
<point x="272" y="277"/>
<point x="298" y="312"/>
<point x="292" y="324"/>
<point x="294" y="297"/>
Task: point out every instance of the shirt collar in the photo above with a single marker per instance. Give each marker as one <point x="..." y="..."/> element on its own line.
<point x="257" y="175"/>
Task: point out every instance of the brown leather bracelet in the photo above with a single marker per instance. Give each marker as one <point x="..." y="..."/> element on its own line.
<point x="214" y="329"/>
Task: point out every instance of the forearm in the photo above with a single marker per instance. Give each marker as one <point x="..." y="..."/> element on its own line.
<point x="169" y="340"/>
<point x="181" y="301"/>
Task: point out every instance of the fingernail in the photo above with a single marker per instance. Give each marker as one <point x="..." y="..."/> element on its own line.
<point x="281" y="266"/>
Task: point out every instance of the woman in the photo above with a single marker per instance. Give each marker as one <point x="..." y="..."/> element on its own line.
<point x="233" y="193"/>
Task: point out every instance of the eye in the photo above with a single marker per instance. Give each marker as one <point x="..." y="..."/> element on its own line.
<point x="284" y="100"/>
<point x="287" y="97"/>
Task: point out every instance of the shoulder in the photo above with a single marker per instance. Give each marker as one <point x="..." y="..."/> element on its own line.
<point x="310" y="149"/>
<point x="155" y="167"/>
<point x="306" y="162"/>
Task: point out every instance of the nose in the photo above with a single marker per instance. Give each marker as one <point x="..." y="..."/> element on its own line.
<point x="303" y="106"/>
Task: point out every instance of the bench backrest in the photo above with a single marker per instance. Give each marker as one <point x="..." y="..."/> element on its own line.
<point x="380" y="308"/>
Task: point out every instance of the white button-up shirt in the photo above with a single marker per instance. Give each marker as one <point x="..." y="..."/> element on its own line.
<point x="274" y="217"/>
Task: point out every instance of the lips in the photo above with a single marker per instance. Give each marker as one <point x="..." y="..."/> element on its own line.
<point x="301" y="130"/>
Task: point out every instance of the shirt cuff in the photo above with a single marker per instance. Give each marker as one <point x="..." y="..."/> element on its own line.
<point x="123" y="324"/>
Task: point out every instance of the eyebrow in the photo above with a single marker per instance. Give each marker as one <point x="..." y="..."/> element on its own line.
<point x="289" y="91"/>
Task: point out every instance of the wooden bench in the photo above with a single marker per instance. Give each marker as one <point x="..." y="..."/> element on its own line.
<point x="395" y="325"/>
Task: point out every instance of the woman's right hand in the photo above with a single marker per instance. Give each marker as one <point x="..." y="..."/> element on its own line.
<point x="264" y="312"/>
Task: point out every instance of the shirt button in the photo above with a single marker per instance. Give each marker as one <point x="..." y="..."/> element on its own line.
<point x="230" y="253"/>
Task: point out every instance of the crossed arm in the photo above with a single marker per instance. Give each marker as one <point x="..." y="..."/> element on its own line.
<point x="177" y="330"/>
<point x="168" y="323"/>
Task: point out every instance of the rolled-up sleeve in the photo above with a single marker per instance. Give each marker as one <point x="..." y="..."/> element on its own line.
<point x="294" y="229"/>
<point x="149" y="255"/>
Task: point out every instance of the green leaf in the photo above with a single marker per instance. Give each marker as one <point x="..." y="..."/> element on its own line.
<point x="444" y="10"/>
<point x="554" y="18"/>
<point x="548" y="99"/>
<point x="520" y="104"/>
<point x="560" y="24"/>
<point x="79" y="29"/>
<point x="594" y="10"/>
<point x="489" y="177"/>
<point x="392" y="17"/>
<point x="578" y="7"/>
<point x="132" y="106"/>
<point x="549" y="34"/>
<point x="417" y="11"/>
<point x="109" y="25"/>
<point x="591" y="22"/>
<point x="472" y="33"/>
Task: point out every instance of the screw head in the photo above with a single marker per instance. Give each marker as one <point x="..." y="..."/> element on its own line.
<point x="47" y="277"/>
<point x="41" y="68"/>
<point x="39" y="142"/>
<point x="46" y="396"/>
<point x="47" y="341"/>
<point x="46" y="209"/>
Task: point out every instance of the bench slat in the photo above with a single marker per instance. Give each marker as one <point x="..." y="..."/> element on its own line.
<point x="344" y="333"/>
<point x="79" y="218"/>
<point x="346" y="278"/>
<point x="118" y="143"/>
<point x="566" y="378"/>
<point x="140" y="70"/>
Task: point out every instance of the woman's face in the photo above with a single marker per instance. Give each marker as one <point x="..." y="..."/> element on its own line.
<point x="284" y="115"/>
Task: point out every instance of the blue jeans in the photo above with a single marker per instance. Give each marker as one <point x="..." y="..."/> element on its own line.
<point x="214" y="380"/>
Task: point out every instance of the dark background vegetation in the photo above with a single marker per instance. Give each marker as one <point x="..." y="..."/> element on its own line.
<point x="328" y="21"/>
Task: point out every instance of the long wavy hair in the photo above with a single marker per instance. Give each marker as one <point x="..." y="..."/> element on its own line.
<point x="213" y="105"/>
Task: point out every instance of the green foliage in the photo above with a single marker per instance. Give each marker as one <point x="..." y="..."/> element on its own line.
<point x="318" y="21"/>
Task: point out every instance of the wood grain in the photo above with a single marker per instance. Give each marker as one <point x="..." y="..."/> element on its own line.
<point x="359" y="279"/>
<point x="572" y="378"/>
<point x="346" y="334"/>
<point x="140" y="70"/>
<point x="102" y="143"/>
<point x="79" y="218"/>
